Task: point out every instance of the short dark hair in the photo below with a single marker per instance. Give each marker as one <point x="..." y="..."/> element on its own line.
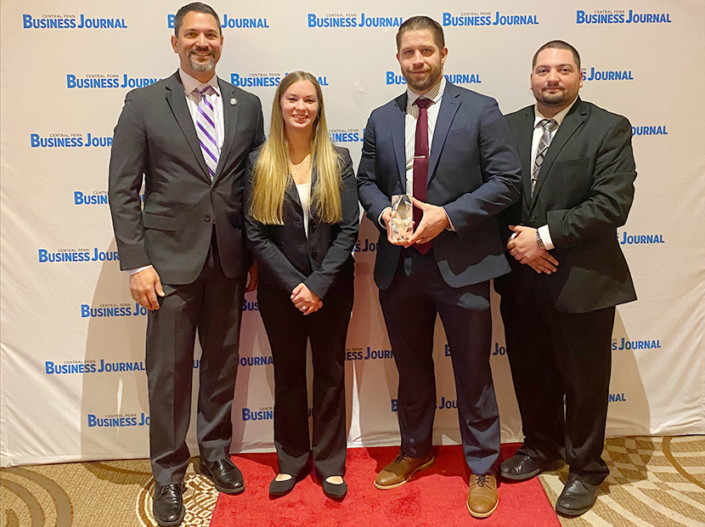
<point x="198" y="7"/>
<point x="419" y="23"/>
<point x="557" y="44"/>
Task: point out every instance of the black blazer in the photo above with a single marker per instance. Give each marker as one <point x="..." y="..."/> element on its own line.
<point x="584" y="192"/>
<point x="155" y="137"/>
<point x="473" y="172"/>
<point x="286" y="257"/>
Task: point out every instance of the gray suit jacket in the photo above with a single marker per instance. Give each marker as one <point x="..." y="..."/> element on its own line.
<point x="155" y="139"/>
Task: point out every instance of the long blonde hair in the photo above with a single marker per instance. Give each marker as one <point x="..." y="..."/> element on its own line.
<point x="271" y="171"/>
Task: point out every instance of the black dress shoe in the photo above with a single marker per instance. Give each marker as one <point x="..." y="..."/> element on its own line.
<point x="577" y="497"/>
<point x="521" y="467"/>
<point x="226" y="477"/>
<point x="336" y="491"/>
<point x="282" y="487"/>
<point x="168" y="505"/>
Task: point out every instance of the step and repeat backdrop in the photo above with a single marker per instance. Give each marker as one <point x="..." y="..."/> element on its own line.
<point x="73" y="383"/>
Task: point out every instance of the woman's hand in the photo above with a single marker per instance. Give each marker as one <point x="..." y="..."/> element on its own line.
<point x="305" y="300"/>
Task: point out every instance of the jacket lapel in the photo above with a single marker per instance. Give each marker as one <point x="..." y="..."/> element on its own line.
<point x="398" y="136"/>
<point x="231" y="110"/>
<point x="177" y="102"/>
<point x="575" y="118"/>
<point x="446" y="113"/>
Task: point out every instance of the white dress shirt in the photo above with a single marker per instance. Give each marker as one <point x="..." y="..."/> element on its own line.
<point x="544" y="231"/>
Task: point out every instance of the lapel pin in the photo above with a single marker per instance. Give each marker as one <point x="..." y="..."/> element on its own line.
<point x="233" y="101"/>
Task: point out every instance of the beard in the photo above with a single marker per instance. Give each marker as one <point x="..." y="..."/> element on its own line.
<point x="426" y="82"/>
<point x="552" y="99"/>
<point x="201" y="66"/>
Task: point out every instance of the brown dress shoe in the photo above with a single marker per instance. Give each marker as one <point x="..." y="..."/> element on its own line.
<point x="401" y="469"/>
<point x="482" y="498"/>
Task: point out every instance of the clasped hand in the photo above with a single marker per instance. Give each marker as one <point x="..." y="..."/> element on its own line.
<point x="525" y="250"/>
<point x="433" y="222"/>
<point x="305" y="300"/>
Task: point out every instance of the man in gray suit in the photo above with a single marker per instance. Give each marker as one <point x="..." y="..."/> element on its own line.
<point x="187" y="138"/>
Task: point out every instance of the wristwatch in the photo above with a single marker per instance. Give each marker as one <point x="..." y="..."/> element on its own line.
<point x="539" y="241"/>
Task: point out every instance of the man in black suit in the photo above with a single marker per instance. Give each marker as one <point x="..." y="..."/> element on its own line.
<point x="451" y="150"/>
<point x="187" y="138"/>
<point x="569" y="273"/>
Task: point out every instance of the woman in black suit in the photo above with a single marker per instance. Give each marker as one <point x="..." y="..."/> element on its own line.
<point x="302" y="224"/>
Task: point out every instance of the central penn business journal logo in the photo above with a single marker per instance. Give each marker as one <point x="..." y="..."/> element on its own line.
<point x="110" y="310"/>
<point x="455" y="78"/>
<point x="97" y="197"/>
<point x="349" y="135"/>
<point x="488" y="18"/>
<point x="79" y="255"/>
<point x="593" y="74"/>
<point x="264" y="80"/>
<point x="619" y="16"/>
<point x="82" y="21"/>
<point x="69" y="140"/>
<point x="352" y="20"/>
<point x="108" y="81"/>
<point x="231" y="22"/>
<point x="118" y="420"/>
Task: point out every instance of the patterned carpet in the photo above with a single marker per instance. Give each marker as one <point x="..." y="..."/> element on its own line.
<point x="653" y="482"/>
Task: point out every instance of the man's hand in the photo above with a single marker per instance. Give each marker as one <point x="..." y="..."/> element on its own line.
<point x="305" y="300"/>
<point x="523" y="246"/>
<point x="545" y="263"/>
<point x="144" y="288"/>
<point x="433" y="222"/>
<point x="387" y="219"/>
<point x="252" y="278"/>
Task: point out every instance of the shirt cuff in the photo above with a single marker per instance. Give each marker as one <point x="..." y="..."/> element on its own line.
<point x="545" y="234"/>
<point x="137" y="270"/>
<point x="450" y="223"/>
<point x="379" y="220"/>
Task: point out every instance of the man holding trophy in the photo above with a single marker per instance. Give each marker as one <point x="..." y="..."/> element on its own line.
<point x="448" y="152"/>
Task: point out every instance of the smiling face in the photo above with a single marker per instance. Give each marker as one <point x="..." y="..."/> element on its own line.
<point x="421" y="60"/>
<point x="299" y="105"/>
<point x="555" y="80"/>
<point x="198" y="45"/>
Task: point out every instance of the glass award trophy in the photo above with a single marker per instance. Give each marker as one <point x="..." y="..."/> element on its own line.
<point x="402" y="217"/>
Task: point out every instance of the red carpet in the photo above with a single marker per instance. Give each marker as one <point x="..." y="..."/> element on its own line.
<point x="435" y="497"/>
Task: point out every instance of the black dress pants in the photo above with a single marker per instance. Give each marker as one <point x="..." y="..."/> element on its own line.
<point x="289" y="331"/>
<point x="556" y="357"/>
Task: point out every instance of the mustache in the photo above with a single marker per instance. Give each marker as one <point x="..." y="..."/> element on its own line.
<point x="201" y="50"/>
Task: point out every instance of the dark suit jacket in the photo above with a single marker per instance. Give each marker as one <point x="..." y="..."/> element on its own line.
<point x="584" y="192"/>
<point x="155" y="136"/>
<point x="473" y="172"/>
<point x="286" y="257"/>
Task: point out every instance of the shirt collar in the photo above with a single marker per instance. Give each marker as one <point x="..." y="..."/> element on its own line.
<point x="190" y="83"/>
<point x="435" y="93"/>
<point x="558" y="117"/>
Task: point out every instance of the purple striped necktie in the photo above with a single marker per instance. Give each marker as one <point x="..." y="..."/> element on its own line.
<point x="205" y="129"/>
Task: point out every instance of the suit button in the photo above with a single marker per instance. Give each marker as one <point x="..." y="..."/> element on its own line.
<point x="313" y="227"/>
<point x="532" y="219"/>
<point x="313" y="253"/>
<point x="207" y="218"/>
